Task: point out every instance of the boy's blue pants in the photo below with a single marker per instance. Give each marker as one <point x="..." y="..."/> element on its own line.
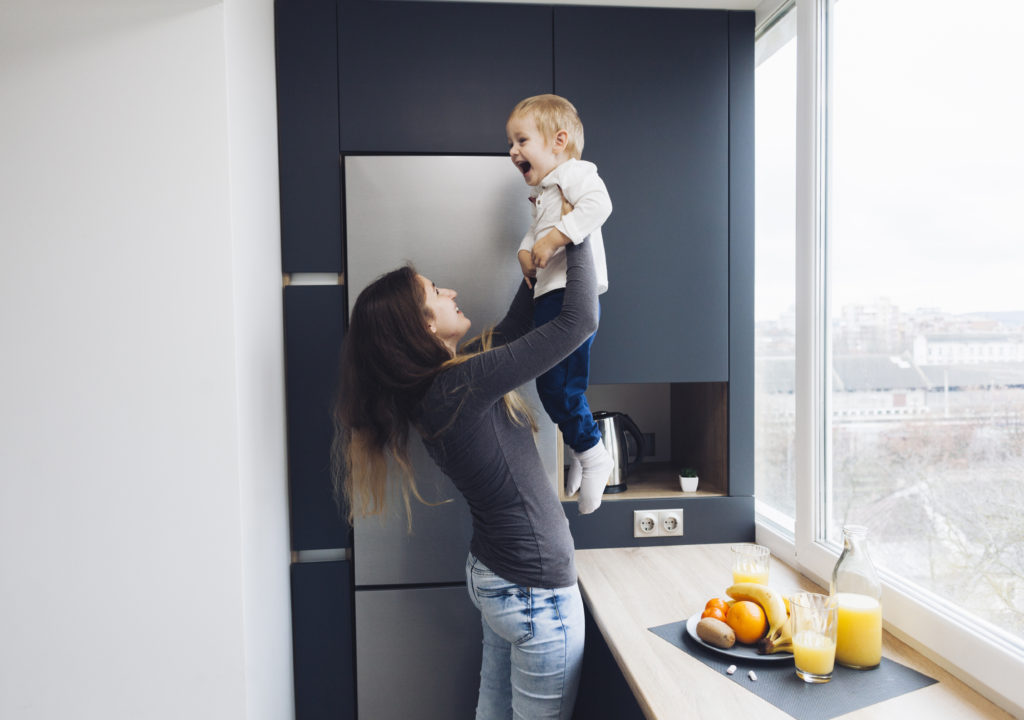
<point x="562" y="388"/>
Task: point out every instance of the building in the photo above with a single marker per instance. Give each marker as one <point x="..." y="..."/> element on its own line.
<point x="968" y="348"/>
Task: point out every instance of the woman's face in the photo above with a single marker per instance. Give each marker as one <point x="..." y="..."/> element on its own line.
<point x="446" y="321"/>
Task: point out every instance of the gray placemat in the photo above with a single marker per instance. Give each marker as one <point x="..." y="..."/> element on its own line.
<point x="777" y="682"/>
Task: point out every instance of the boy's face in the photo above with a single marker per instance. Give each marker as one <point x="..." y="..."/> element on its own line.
<point x="532" y="153"/>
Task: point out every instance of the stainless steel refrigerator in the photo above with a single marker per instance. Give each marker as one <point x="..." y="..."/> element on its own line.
<point x="459" y="220"/>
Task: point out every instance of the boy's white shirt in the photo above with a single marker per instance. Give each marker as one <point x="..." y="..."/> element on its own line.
<point x="583" y="187"/>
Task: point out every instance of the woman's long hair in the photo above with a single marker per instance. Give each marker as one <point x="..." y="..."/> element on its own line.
<point x="389" y="359"/>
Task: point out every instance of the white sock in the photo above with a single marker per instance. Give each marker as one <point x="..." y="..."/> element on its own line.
<point x="597" y="467"/>
<point x="572" y="482"/>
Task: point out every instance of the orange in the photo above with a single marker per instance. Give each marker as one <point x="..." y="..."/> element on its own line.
<point x="718" y="603"/>
<point x="714" y="612"/>
<point x="747" y="620"/>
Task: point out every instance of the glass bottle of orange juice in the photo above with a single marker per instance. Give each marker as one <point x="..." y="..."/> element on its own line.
<point x="858" y="591"/>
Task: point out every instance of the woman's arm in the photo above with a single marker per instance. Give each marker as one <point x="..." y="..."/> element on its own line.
<point x="496" y="372"/>
<point x="519" y="318"/>
<point x="518" y="321"/>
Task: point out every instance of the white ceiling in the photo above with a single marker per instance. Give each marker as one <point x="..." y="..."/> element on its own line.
<point x="705" y="4"/>
<point x="762" y="8"/>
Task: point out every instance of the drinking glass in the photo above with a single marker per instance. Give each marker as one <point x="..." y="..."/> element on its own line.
<point x="815" y="619"/>
<point x="750" y="563"/>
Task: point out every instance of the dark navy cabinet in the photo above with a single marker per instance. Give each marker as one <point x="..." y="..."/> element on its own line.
<point x="322" y="638"/>
<point x="313" y="326"/>
<point x="741" y="254"/>
<point x="652" y="88"/>
<point x="307" y="135"/>
<point x="426" y="77"/>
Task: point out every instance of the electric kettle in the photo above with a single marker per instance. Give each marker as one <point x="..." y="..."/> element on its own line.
<point x="616" y="430"/>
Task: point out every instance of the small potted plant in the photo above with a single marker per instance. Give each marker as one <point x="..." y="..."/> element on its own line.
<point x="688" y="479"/>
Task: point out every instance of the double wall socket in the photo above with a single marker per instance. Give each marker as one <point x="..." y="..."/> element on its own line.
<point x="657" y="523"/>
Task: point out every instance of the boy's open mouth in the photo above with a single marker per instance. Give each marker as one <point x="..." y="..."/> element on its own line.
<point x="524" y="167"/>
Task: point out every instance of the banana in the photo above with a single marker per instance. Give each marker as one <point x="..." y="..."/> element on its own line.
<point x="769" y="646"/>
<point x="772" y="602"/>
<point x="779" y="637"/>
<point x="779" y="641"/>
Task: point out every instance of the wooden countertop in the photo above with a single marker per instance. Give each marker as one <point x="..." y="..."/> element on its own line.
<point x="629" y="590"/>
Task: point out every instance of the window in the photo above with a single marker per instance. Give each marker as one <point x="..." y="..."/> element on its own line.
<point x="926" y="242"/>
<point x="908" y="373"/>
<point x="775" y="267"/>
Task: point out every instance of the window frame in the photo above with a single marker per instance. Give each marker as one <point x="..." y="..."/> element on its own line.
<point x="979" y="656"/>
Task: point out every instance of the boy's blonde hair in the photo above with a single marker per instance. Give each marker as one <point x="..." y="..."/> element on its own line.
<point x="552" y="113"/>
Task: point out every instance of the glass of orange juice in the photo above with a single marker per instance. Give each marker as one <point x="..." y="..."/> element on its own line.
<point x="815" y="621"/>
<point x="750" y="563"/>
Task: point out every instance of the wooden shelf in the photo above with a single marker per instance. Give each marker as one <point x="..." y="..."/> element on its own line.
<point x="698" y="438"/>
<point x="653" y="481"/>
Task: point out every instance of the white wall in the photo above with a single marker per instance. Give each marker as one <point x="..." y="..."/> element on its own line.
<point x="143" y="526"/>
<point x="255" y="217"/>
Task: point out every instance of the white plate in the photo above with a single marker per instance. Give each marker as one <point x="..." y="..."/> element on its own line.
<point x="744" y="652"/>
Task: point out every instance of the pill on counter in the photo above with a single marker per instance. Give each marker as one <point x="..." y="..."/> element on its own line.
<point x="730" y="670"/>
<point x="752" y="675"/>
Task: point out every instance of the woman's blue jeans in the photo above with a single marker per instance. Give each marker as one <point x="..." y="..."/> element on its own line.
<point x="533" y="647"/>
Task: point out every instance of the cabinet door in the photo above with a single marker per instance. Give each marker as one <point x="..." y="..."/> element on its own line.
<point x="652" y="89"/>
<point x="425" y="77"/>
<point x="307" y="135"/>
<point x="313" y="328"/>
<point x="322" y="642"/>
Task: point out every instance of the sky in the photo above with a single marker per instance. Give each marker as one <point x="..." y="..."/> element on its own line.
<point x="927" y="182"/>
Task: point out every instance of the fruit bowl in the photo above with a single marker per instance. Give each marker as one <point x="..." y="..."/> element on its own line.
<point x="744" y="652"/>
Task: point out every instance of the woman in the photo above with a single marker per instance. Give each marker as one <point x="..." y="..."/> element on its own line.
<point x="399" y="367"/>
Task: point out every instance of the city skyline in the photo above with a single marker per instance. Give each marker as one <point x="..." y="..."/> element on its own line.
<point x="1011" y="316"/>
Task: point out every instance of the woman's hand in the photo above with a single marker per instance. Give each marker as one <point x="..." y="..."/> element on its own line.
<point x="553" y="241"/>
<point x="547" y="246"/>
<point x="529" y="269"/>
<point x="566" y="205"/>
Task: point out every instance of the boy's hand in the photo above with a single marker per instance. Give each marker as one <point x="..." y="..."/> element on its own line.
<point x="544" y="248"/>
<point x="529" y="269"/>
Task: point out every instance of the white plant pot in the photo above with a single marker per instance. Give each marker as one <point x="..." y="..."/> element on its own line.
<point x="688" y="484"/>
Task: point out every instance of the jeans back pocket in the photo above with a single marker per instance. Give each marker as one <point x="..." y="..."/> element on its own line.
<point x="506" y="607"/>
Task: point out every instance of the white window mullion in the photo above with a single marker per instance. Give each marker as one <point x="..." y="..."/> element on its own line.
<point x="812" y="353"/>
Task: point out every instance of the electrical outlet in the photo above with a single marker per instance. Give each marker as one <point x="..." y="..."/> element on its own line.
<point x="657" y="523"/>
<point x="646" y="523"/>
<point x="670" y="522"/>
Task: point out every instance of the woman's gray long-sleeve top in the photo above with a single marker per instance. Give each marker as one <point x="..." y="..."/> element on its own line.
<point x="519" y="528"/>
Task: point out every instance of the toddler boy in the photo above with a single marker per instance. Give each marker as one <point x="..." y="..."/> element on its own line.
<point x="545" y="138"/>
